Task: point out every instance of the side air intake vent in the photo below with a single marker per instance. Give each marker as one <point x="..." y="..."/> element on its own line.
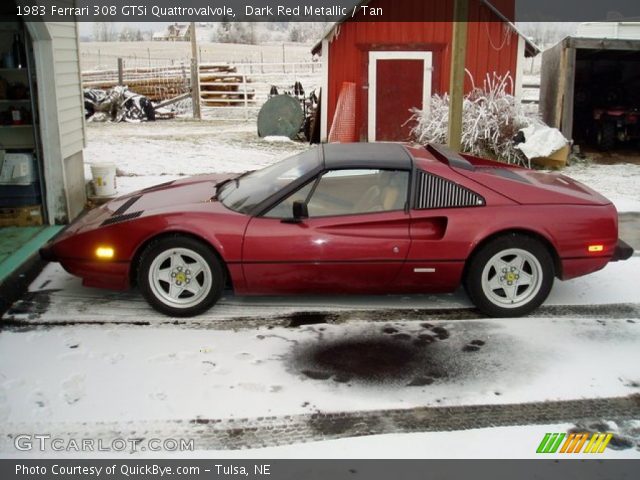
<point x="437" y="192"/>
<point x="121" y="218"/>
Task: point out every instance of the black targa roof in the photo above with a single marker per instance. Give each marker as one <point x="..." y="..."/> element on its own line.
<point x="366" y="155"/>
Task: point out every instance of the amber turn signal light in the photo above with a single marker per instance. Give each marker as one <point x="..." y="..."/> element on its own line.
<point x="105" y="253"/>
<point x="595" y="248"/>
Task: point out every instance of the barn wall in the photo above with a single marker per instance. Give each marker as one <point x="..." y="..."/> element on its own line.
<point x="492" y="47"/>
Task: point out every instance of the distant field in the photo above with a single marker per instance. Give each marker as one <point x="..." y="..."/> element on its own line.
<point x="98" y="55"/>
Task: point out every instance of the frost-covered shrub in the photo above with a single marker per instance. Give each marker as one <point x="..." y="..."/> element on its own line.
<point x="491" y="118"/>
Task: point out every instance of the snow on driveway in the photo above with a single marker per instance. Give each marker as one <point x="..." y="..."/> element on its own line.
<point x="58" y="297"/>
<point x="94" y="374"/>
<point x="109" y="372"/>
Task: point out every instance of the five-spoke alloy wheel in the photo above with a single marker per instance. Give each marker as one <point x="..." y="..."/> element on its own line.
<point x="180" y="276"/>
<point x="510" y="276"/>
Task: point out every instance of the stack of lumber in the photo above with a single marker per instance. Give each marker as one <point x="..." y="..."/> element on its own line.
<point x="220" y="84"/>
<point x="223" y="86"/>
<point x="155" y="83"/>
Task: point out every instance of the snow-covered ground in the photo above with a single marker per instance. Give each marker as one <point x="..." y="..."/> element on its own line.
<point x="78" y="361"/>
<point x="152" y="153"/>
<point x="89" y="377"/>
<point x="618" y="182"/>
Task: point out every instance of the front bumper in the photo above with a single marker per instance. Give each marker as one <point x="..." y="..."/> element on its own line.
<point x="46" y="253"/>
<point x="623" y="251"/>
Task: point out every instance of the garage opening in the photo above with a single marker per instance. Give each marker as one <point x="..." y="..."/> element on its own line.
<point x="606" y="112"/>
<point x="23" y="223"/>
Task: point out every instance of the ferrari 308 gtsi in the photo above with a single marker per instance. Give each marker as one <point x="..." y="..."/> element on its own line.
<point x="348" y="219"/>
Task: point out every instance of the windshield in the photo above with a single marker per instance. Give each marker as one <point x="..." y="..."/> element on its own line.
<point x="247" y="191"/>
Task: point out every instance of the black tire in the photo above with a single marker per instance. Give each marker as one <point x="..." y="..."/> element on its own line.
<point x="607" y="135"/>
<point x="181" y="244"/>
<point x="535" y="257"/>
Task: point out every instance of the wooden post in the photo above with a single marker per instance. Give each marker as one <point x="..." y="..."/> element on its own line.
<point x="120" y="71"/>
<point x="246" y="98"/>
<point x="195" y="74"/>
<point x="456" y="85"/>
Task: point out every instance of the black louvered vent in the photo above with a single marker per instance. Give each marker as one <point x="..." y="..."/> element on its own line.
<point x="121" y="218"/>
<point x="122" y="209"/>
<point x="437" y="192"/>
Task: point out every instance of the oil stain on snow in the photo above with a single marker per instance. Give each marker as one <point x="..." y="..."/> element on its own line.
<point x="393" y="356"/>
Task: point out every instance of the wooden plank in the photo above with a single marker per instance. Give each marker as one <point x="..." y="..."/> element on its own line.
<point x="566" y="122"/>
<point x="602" y="43"/>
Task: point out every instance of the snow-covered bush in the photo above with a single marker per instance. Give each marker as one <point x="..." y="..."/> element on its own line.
<point x="491" y="118"/>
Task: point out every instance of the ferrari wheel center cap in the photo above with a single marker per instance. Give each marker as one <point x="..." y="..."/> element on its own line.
<point x="181" y="277"/>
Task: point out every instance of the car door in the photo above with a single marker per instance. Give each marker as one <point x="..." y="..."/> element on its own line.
<point x="355" y="239"/>
<point x="444" y="219"/>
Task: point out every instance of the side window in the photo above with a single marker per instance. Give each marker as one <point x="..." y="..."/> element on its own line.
<point x="348" y="192"/>
<point x="284" y="209"/>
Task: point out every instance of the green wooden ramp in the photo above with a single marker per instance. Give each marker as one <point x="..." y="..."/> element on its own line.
<point x="19" y="244"/>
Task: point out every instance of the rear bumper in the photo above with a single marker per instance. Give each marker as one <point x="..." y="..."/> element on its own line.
<point x="623" y="251"/>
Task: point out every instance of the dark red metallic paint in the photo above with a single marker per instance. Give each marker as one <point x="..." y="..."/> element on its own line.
<point x="368" y="253"/>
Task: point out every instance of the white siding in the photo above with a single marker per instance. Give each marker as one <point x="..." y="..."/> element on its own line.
<point x="60" y="104"/>
<point x="68" y="86"/>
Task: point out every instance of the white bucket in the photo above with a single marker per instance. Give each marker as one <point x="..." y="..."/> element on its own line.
<point x="104" y="179"/>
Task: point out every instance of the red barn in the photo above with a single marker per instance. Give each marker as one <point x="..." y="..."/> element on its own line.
<point x="396" y="66"/>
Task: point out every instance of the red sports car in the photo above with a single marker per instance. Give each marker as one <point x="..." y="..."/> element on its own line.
<point x="357" y="218"/>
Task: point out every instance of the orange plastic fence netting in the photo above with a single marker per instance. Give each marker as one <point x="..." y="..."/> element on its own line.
<point x="343" y="127"/>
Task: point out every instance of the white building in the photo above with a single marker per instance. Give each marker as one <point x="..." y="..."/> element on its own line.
<point x="45" y="90"/>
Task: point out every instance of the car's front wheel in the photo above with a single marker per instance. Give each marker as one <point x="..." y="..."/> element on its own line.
<point x="510" y="276"/>
<point x="180" y="276"/>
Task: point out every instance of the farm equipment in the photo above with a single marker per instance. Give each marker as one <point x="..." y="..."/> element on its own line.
<point x="117" y="104"/>
<point x="614" y="125"/>
<point x="290" y="114"/>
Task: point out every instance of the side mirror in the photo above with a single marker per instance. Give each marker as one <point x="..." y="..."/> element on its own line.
<point x="300" y="212"/>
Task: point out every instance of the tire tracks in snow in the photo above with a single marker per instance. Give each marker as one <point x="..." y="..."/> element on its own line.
<point x="28" y="316"/>
<point x="268" y="431"/>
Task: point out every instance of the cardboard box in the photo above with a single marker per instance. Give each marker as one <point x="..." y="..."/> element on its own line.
<point x="21" y="216"/>
<point x="557" y="159"/>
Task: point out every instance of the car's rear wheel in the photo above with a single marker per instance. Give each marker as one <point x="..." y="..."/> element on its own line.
<point x="510" y="276"/>
<point x="180" y="276"/>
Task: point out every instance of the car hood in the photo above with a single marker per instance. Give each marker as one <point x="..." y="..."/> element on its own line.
<point x="532" y="187"/>
<point x="182" y="195"/>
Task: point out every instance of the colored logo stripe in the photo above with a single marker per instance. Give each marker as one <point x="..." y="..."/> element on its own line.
<point x="550" y="443"/>
<point x="574" y="442"/>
